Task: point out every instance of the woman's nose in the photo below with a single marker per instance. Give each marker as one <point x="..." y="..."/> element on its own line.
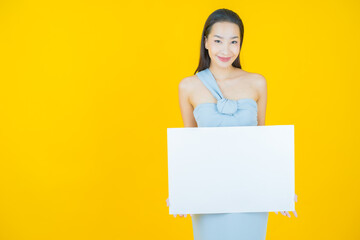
<point x="225" y="50"/>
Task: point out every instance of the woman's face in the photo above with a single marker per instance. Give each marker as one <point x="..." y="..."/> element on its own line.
<point x="223" y="43"/>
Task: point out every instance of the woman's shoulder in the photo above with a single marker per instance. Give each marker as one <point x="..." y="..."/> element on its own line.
<point x="250" y="75"/>
<point x="189" y="83"/>
<point x="258" y="82"/>
<point x="255" y="78"/>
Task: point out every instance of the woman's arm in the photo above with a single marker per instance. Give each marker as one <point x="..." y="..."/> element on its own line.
<point x="261" y="87"/>
<point x="185" y="106"/>
<point x="186" y="112"/>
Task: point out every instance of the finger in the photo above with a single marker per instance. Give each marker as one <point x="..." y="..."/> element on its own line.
<point x="174" y="215"/>
<point x="287" y="214"/>
<point x="295" y="213"/>
<point x="276" y="212"/>
<point x="295" y="198"/>
<point x="282" y="212"/>
<point x="181" y="215"/>
<point x="185" y="215"/>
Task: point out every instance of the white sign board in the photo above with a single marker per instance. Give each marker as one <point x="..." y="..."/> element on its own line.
<point x="231" y="169"/>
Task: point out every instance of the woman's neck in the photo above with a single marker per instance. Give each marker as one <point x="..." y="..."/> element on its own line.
<point x="221" y="73"/>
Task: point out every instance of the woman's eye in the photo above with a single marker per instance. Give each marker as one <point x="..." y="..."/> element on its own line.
<point x="217" y="41"/>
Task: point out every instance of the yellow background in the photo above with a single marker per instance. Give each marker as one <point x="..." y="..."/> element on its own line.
<point x="88" y="89"/>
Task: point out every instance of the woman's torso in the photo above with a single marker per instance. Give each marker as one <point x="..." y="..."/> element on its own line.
<point x="212" y="109"/>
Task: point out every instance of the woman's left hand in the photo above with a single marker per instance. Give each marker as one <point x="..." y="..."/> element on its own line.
<point x="286" y="213"/>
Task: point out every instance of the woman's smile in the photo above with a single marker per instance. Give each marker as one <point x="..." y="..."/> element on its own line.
<point x="224" y="59"/>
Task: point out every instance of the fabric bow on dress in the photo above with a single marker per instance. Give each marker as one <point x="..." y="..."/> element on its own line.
<point x="227" y="106"/>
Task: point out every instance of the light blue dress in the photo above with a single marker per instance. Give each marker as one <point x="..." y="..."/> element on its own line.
<point x="227" y="112"/>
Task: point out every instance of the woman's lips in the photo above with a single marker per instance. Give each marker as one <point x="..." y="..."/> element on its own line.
<point x="224" y="59"/>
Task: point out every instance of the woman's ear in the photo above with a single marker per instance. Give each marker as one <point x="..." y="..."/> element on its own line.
<point x="205" y="40"/>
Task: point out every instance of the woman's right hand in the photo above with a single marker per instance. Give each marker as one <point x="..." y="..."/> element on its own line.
<point x="168" y="204"/>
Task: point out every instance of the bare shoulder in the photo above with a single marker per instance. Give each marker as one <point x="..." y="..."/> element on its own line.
<point x="260" y="84"/>
<point x="258" y="80"/>
<point x="188" y="84"/>
<point x="254" y="77"/>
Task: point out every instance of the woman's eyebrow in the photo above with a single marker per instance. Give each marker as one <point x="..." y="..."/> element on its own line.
<point x="222" y="37"/>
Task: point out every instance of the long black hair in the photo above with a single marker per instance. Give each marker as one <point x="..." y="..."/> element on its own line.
<point x="220" y="15"/>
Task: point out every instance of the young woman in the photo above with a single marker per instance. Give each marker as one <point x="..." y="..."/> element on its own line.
<point x="223" y="94"/>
